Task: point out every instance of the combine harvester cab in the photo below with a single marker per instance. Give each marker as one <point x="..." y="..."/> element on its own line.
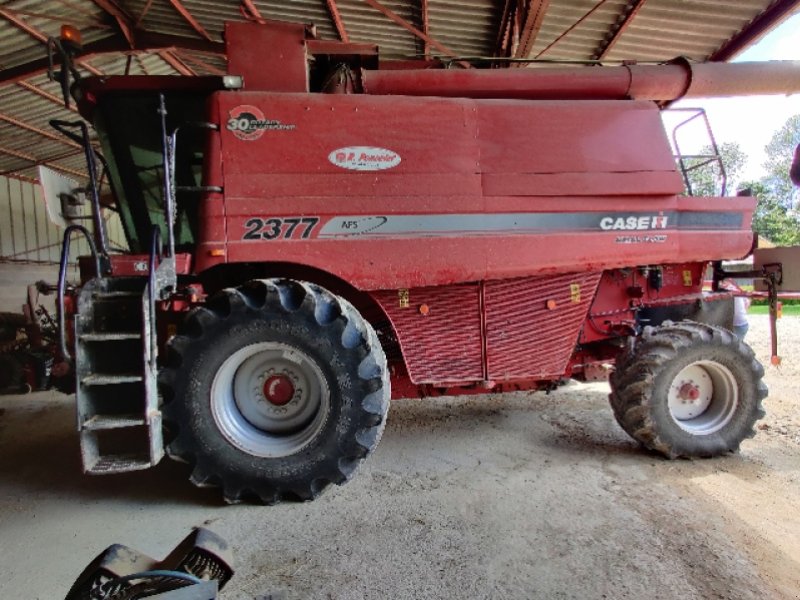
<point x="315" y="230"/>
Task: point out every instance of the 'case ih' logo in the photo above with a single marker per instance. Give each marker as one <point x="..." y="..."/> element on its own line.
<point x="248" y="123"/>
<point x="364" y="158"/>
<point x="634" y="222"/>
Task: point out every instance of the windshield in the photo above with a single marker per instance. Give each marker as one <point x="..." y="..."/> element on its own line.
<point x="129" y="128"/>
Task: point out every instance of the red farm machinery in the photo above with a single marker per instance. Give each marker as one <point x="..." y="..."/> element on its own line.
<point x="318" y="232"/>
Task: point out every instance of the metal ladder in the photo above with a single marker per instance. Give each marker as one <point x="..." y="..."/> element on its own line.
<point x="118" y="415"/>
<point x="115" y="361"/>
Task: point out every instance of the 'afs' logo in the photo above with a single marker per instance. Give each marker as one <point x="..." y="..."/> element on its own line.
<point x="248" y="123"/>
<point x="364" y="158"/>
<point x="634" y="222"/>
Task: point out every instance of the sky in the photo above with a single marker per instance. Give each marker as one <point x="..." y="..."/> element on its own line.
<point x="751" y="121"/>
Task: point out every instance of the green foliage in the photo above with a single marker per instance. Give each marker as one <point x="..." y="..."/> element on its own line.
<point x="706" y="178"/>
<point x="780" y="151"/>
<point x="777" y="217"/>
<point x="788" y="310"/>
<point x="773" y="220"/>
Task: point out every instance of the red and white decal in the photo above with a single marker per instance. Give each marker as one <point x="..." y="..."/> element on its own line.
<point x="364" y="158"/>
<point x="248" y="123"/>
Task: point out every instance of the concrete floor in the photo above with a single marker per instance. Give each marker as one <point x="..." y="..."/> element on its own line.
<point x="516" y="496"/>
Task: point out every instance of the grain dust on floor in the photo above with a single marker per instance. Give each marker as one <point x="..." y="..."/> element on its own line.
<point x="515" y="496"/>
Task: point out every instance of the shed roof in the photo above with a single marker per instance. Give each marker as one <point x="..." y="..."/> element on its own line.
<point x="182" y="37"/>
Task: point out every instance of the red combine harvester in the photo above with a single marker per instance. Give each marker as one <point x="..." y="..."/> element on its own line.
<point x="313" y="235"/>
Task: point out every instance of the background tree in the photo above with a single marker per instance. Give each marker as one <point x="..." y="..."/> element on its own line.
<point x="706" y="180"/>
<point x="777" y="217"/>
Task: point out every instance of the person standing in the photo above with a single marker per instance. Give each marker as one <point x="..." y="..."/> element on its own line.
<point x="740" y="305"/>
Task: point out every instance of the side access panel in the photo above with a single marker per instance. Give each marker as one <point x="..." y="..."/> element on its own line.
<point x="523" y="329"/>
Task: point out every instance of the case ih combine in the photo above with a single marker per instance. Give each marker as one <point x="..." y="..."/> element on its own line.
<point x="313" y="235"/>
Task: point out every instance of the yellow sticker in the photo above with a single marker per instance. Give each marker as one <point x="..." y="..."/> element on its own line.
<point x="687" y="278"/>
<point x="403" y="298"/>
<point x="575" y="293"/>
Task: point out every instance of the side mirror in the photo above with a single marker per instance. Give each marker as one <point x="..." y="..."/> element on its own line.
<point x="64" y="197"/>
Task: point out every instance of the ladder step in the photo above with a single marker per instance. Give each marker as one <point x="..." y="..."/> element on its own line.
<point x="99" y="422"/>
<point x="109" y="337"/>
<point x="119" y="463"/>
<point x="110" y="379"/>
<point x="117" y="294"/>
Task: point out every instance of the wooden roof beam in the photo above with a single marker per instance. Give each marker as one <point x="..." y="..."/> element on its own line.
<point x="336" y="18"/>
<point x="46" y="95"/>
<point x="393" y="16"/>
<point x="532" y="24"/>
<point x="576" y="24"/>
<point x="173" y="61"/>
<point x="188" y="58"/>
<point x="145" y="41"/>
<point x="21" y="24"/>
<point x="423" y="17"/>
<point x="755" y="30"/>
<point x="33" y="129"/>
<point x="35" y="162"/>
<point x="124" y="20"/>
<point x="189" y="18"/>
<point x="628" y="15"/>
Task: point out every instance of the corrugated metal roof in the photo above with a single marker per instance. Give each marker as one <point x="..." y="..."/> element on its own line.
<point x="570" y="29"/>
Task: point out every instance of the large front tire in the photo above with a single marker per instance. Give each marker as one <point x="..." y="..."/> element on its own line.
<point x="274" y="390"/>
<point x="688" y="390"/>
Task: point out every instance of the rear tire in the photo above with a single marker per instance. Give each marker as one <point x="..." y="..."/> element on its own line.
<point x="688" y="390"/>
<point x="274" y="390"/>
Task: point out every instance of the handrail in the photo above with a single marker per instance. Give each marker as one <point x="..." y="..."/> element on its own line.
<point x="167" y="144"/>
<point x="62" y="281"/>
<point x="698" y="112"/>
<point x="64" y="127"/>
<point x="155" y="251"/>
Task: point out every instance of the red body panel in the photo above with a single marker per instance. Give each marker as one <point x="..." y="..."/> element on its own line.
<point x="470" y="175"/>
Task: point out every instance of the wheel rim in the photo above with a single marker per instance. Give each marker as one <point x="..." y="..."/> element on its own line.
<point x="703" y="397"/>
<point x="270" y="399"/>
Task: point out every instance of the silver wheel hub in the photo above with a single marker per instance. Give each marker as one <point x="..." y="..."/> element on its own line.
<point x="269" y="399"/>
<point x="703" y="397"/>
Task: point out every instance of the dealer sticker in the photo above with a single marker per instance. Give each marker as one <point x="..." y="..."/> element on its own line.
<point x="248" y="123"/>
<point x="364" y="158"/>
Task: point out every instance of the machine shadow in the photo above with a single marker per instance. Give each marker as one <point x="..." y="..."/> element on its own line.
<point x="45" y="458"/>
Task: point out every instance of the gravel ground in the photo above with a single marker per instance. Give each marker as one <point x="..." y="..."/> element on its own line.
<point x="515" y="496"/>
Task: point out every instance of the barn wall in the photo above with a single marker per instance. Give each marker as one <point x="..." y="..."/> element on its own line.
<point x="27" y="235"/>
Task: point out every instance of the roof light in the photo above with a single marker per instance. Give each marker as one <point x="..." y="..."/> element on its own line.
<point x="72" y="35"/>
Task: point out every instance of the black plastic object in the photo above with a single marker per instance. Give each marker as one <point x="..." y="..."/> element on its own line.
<point x="194" y="570"/>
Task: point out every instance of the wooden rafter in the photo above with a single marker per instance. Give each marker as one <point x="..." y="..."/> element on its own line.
<point x="336" y="18"/>
<point x="35" y="162"/>
<point x="393" y="16"/>
<point x="569" y="29"/>
<point x="626" y="18"/>
<point x="186" y="57"/>
<point x="252" y="9"/>
<point x="145" y="41"/>
<point x="43" y="94"/>
<point x="502" y="42"/>
<point x="123" y="19"/>
<point x="423" y="17"/>
<point x="189" y="18"/>
<point x="21" y="24"/>
<point x="529" y="30"/>
<point x="777" y="11"/>
<point x="173" y="61"/>
<point x="143" y="14"/>
<point x="33" y="129"/>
